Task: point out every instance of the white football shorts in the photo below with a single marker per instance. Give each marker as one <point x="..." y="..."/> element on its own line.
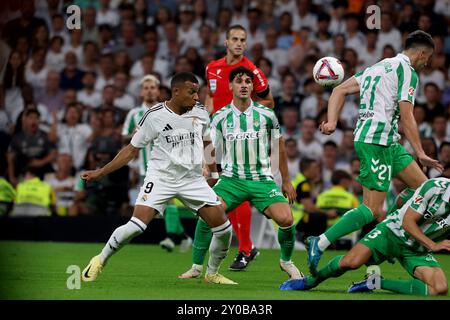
<point x="195" y="194"/>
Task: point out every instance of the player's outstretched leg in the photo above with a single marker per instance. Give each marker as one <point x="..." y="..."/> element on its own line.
<point x="202" y="240"/>
<point x="281" y="214"/>
<point x="121" y="236"/>
<point x="336" y="267"/>
<point x="353" y="220"/>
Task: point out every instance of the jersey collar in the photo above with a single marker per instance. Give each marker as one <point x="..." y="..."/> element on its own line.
<point x="404" y="57"/>
<point x="238" y="112"/>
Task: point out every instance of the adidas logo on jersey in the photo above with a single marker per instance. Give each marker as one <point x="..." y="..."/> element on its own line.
<point x="167" y="127"/>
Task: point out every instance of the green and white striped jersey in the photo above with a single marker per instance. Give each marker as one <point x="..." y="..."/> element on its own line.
<point x="131" y="121"/>
<point x="382" y="87"/>
<point x="431" y="200"/>
<point x="243" y="140"/>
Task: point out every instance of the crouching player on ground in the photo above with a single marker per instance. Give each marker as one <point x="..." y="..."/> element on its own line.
<point x="410" y="234"/>
<point x="175" y="129"/>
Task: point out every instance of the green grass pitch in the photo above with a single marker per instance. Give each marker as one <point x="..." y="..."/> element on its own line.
<point x="37" y="270"/>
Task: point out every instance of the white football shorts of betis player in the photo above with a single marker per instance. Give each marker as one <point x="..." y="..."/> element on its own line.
<point x="175" y="165"/>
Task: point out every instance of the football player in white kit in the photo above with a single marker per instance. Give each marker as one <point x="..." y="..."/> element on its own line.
<point x="178" y="131"/>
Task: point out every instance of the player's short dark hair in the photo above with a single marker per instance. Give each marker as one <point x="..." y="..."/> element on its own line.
<point x="235" y="27"/>
<point x="339" y="175"/>
<point x="419" y="38"/>
<point x="305" y="163"/>
<point x="181" y="77"/>
<point x="240" y="70"/>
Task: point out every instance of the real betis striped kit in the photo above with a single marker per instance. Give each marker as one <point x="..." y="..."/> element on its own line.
<point x="243" y="141"/>
<point x="382" y="87"/>
<point x="390" y="240"/>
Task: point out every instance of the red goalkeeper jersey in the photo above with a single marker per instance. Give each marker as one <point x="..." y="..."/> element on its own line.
<point x="217" y="73"/>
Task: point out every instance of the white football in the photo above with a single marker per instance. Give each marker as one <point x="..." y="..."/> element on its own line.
<point x="328" y="72"/>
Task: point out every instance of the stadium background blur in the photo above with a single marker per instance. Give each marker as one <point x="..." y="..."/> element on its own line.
<point x="84" y="81"/>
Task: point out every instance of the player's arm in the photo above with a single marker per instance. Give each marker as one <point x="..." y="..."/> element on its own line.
<point x="411" y="131"/>
<point x="286" y="187"/>
<point x="410" y="224"/>
<point x="265" y="98"/>
<point x="122" y="158"/>
<point x="336" y="102"/>
<point x="209" y="103"/>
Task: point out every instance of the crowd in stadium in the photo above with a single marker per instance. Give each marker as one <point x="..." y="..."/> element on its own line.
<point x="64" y="93"/>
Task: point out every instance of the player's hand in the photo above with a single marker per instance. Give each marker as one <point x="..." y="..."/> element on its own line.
<point x="327" y="127"/>
<point x="430" y="162"/>
<point x="443" y="245"/>
<point x="289" y="191"/>
<point x="91" y="175"/>
<point x="211" y="181"/>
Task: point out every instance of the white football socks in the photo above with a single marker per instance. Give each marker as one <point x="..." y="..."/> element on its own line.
<point x="220" y="244"/>
<point x="323" y="242"/>
<point x="121" y="236"/>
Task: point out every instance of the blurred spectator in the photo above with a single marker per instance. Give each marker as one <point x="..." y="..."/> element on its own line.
<point x="106" y="42"/>
<point x="337" y="24"/>
<point x="277" y="56"/>
<point x="288" y="95"/>
<point x="122" y="99"/>
<point x="23" y="26"/>
<point x="282" y="6"/>
<point x="13" y="81"/>
<point x="34" y="197"/>
<point x="108" y="97"/>
<point x="129" y="41"/>
<point x="58" y="28"/>
<point x="122" y="61"/>
<point x="88" y="96"/>
<point x="420" y="114"/>
<point x="7" y="195"/>
<point x="346" y="150"/>
<point x="387" y="52"/>
<point x="31" y="148"/>
<point x="286" y="36"/>
<point x="36" y="70"/>
<point x="293" y="157"/>
<point x="106" y="74"/>
<point x="433" y="105"/>
<point x="41" y="37"/>
<point x="238" y="15"/>
<point x="307" y="144"/>
<point x="52" y="95"/>
<point x="330" y="163"/>
<point x="71" y="75"/>
<point x="440" y="133"/>
<point x="89" y="27"/>
<point x="388" y="34"/>
<point x="71" y="136"/>
<point x="354" y="37"/>
<point x="63" y="183"/>
<point x="312" y="219"/>
<point x="90" y="57"/>
<point x="254" y="32"/>
<point x="431" y="150"/>
<point x="105" y="15"/>
<point x="444" y="153"/>
<point x="430" y="75"/>
<point x="266" y="67"/>
<point x="304" y="17"/>
<point x="323" y="36"/>
<point x="369" y="54"/>
<point x="314" y="102"/>
<point x="223" y="23"/>
<point x="55" y="55"/>
<point x="188" y="35"/>
<point x="75" y="45"/>
<point x="290" y="119"/>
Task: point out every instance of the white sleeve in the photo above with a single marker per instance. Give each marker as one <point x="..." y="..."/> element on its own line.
<point x="145" y="134"/>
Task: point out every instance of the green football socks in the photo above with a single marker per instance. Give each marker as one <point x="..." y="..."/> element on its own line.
<point x="351" y="221"/>
<point x="286" y="239"/>
<point x="413" y="287"/>
<point x="202" y="240"/>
